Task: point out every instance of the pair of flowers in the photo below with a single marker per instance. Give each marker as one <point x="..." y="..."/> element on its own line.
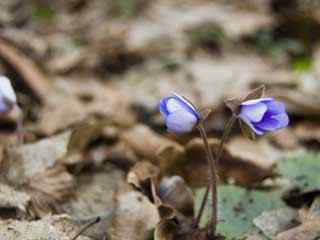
<point x="261" y="115"/>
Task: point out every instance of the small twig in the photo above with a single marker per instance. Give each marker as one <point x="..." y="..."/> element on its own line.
<point x="225" y="135"/>
<point x="88" y="225"/>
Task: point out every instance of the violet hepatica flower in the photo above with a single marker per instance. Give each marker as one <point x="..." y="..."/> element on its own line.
<point x="179" y="114"/>
<point x="264" y="115"/>
<point x="8" y="97"/>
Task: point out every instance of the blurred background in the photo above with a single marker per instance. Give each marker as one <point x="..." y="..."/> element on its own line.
<point x="206" y="50"/>
<point x="77" y="61"/>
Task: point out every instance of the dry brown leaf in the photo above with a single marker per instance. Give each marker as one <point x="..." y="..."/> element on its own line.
<point x="34" y="78"/>
<point x="12" y="199"/>
<point x="286" y="139"/>
<point x="134" y="216"/>
<point x="78" y="101"/>
<point x="141" y="172"/>
<point x="145" y="177"/>
<point x="309" y="227"/>
<point x="94" y="193"/>
<point x="49" y="227"/>
<point x="34" y="158"/>
<point x="308" y="131"/>
<point x="175" y="226"/>
<point x="195" y="169"/>
<point x="175" y="193"/>
<point x="49" y="188"/>
<point x="121" y="153"/>
<point x="149" y="144"/>
<point x="275" y="221"/>
<point x="307" y="231"/>
<point x="260" y="153"/>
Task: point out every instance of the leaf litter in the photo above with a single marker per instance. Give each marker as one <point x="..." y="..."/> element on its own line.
<point x="94" y="144"/>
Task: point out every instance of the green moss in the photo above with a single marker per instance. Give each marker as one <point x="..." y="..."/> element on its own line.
<point x="42" y="13"/>
<point x="206" y="34"/>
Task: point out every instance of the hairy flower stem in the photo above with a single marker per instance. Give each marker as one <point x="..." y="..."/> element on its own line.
<point x="226" y="132"/>
<point x="213" y="177"/>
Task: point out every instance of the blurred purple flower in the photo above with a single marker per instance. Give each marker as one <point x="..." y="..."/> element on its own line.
<point x="179" y="114"/>
<point x="264" y="115"/>
<point x="8" y="97"/>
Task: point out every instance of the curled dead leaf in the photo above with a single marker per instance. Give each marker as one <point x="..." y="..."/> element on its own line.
<point x="49" y="188"/>
<point x="151" y="145"/>
<point x="75" y="103"/>
<point x="174" y="192"/>
<point x="242" y="169"/>
<point x="32" y="75"/>
<point x="134" y="215"/>
<point x="175" y="226"/>
<point x="145" y="177"/>
<point x="30" y="159"/>
<point x="12" y="199"/>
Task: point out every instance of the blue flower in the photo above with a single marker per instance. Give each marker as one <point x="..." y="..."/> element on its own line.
<point x="264" y="115"/>
<point x="179" y="114"/>
<point x="8" y="97"/>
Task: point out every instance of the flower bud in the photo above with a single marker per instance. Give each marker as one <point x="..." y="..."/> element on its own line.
<point x="7" y="95"/>
<point x="179" y="114"/>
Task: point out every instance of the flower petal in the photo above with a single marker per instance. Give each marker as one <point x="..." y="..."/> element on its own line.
<point x="283" y="119"/>
<point x="163" y="107"/>
<point x="255" y="101"/>
<point x="274" y="122"/>
<point x="254" y="112"/>
<point x="275" y="107"/>
<point x="174" y="105"/>
<point x="268" y="124"/>
<point x="181" y="122"/>
<point x="179" y="103"/>
<point x="257" y="131"/>
<point x="3" y="107"/>
<point x="6" y="90"/>
<point x="185" y="101"/>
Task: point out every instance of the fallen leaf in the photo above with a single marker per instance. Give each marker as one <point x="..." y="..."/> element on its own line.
<point x="33" y="158"/>
<point x="149" y="144"/>
<point x="302" y="171"/>
<point x="30" y="73"/>
<point x="174" y="192"/>
<point x="12" y="199"/>
<point x="237" y="207"/>
<point x="308" y="132"/>
<point x="49" y="189"/>
<point x="175" y="226"/>
<point x="49" y="227"/>
<point x="134" y="216"/>
<point x="307" y="231"/>
<point x="95" y="193"/>
<point x="275" y="221"/>
<point x="76" y="103"/>
<point x="195" y="167"/>
<point x="260" y="153"/>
